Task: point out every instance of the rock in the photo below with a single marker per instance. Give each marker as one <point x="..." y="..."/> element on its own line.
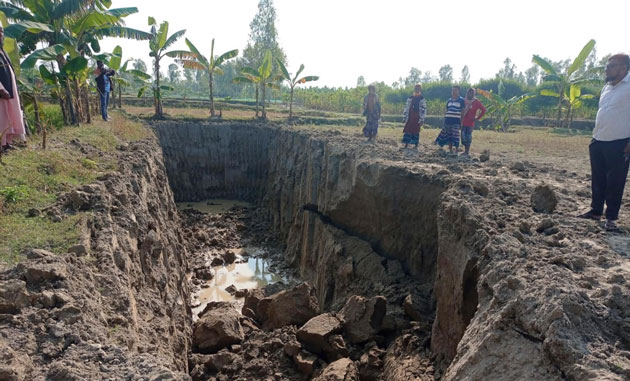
<point x="545" y="224"/>
<point x="229" y="257"/>
<point x="543" y="199"/>
<point x="480" y="188"/>
<point x="201" y="235"/>
<point x="250" y="306"/>
<point x="36" y="273"/>
<point x="218" y="327"/>
<point x="79" y="200"/>
<point x="231" y="289"/>
<point x="316" y="332"/>
<point x="412" y="308"/>
<point x="204" y="273"/>
<point x="525" y="228"/>
<point x="362" y="318"/>
<point x="340" y="370"/>
<point x="240" y="293"/>
<point x="485" y="156"/>
<point x="39" y="254"/>
<point x="292" y="348"/>
<point x="33" y="212"/>
<point x="295" y="306"/>
<point x="216" y="262"/>
<point x="552" y="230"/>
<point x="305" y="362"/>
<point x="220" y="360"/>
<point x="518" y="166"/>
<point x="13" y="296"/>
<point x="78" y="250"/>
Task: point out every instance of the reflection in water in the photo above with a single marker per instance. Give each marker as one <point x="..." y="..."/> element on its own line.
<point x="251" y="274"/>
<point x="212" y="206"/>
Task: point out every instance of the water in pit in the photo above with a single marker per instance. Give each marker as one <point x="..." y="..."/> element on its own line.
<point x="248" y="272"/>
<point x="212" y="206"/>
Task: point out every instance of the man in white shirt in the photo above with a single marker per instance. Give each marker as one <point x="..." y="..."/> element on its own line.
<point x="610" y="148"/>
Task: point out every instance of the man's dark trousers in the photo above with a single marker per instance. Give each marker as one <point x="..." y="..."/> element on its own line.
<point x="609" y="170"/>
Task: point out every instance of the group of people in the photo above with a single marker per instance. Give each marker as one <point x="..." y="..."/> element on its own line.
<point x="459" y="118"/>
<point x="609" y="150"/>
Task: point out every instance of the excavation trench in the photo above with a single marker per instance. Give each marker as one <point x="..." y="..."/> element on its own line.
<point x="347" y="224"/>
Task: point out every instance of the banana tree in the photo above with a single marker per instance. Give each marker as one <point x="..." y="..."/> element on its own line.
<point x="261" y="78"/>
<point x="572" y="97"/>
<point x="159" y="42"/>
<point x="67" y="29"/>
<point x="193" y="59"/>
<point x="292" y="82"/>
<point x="564" y="80"/>
<point x="500" y="109"/>
<point x="124" y="73"/>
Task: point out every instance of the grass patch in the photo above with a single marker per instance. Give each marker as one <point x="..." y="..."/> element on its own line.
<point x="34" y="178"/>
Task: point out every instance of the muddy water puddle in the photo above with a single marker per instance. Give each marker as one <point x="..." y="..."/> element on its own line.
<point x="245" y="274"/>
<point x="213" y="206"/>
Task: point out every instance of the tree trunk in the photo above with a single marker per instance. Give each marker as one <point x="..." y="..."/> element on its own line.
<point x="85" y="96"/>
<point x="38" y="121"/>
<point x="569" y="116"/>
<point x="77" y="97"/>
<point x="257" y="100"/>
<point x="62" y="105"/>
<point x="70" y="105"/>
<point x="119" y="97"/>
<point x="158" y="96"/>
<point x="291" y="105"/>
<point x="264" y="109"/>
<point x="211" y="96"/>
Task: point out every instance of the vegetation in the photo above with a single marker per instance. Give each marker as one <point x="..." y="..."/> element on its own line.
<point x="193" y="59"/>
<point x="294" y="81"/>
<point x="261" y="78"/>
<point x="500" y="109"/>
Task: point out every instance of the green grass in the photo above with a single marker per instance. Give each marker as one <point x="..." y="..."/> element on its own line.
<point x="34" y="178"/>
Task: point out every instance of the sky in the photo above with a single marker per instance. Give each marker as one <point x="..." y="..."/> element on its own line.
<point x="340" y="40"/>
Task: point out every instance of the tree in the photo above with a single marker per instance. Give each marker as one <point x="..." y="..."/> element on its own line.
<point x="123" y="74"/>
<point x="193" y="59"/>
<point x="427" y="77"/>
<point x="292" y="82"/>
<point x="263" y="36"/>
<point x="531" y="76"/>
<point x="465" y="77"/>
<point x="173" y="73"/>
<point x="446" y="73"/>
<point x="414" y="77"/>
<point x="501" y="109"/>
<point x="508" y="71"/>
<point x="565" y="79"/>
<point x="138" y="64"/>
<point x="361" y="81"/>
<point x="159" y="42"/>
<point x="69" y="31"/>
<point x="260" y="77"/>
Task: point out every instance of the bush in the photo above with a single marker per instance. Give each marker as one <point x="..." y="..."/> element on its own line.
<point x="48" y="113"/>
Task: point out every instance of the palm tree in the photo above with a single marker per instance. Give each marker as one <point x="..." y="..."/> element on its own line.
<point x="564" y="81"/>
<point x="260" y="77"/>
<point x="193" y="59"/>
<point x="293" y="81"/>
<point x="159" y="42"/>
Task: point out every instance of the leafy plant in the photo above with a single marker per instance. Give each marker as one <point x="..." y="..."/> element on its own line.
<point x="14" y="194"/>
<point x="501" y="109"/>
<point x="293" y="81"/>
<point x="193" y="59"/>
<point x="260" y="77"/>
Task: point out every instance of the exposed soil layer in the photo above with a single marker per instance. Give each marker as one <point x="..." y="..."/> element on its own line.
<point x="515" y="293"/>
<point x="115" y="306"/>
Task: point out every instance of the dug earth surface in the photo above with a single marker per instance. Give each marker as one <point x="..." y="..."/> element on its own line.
<point x="416" y="266"/>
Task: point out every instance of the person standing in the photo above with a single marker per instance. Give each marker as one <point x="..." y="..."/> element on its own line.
<point x="413" y="117"/>
<point x="473" y="111"/>
<point x="104" y="86"/>
<point x="11" y="121"/>
<point x="609" y="150"/>
<point x="452" y="121"/>
<point x="372" y="112"/>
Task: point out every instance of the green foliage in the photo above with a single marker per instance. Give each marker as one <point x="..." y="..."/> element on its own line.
<point x="14" y="194"/>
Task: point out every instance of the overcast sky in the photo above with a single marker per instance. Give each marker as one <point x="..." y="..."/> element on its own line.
<point x="339" y="40"/>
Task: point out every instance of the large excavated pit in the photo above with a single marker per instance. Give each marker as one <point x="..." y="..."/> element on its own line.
<point x="351" y="225"/>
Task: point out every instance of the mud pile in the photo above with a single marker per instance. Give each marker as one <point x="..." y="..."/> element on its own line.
<point x="515" y="293"/>
<point x="116" y="305"/>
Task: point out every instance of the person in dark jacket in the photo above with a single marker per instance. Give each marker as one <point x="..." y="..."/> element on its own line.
<point x="104" y="85"/>
<point x="372" y="112"/>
